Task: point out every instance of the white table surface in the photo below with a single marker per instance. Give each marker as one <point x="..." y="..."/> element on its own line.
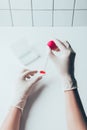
<point x="45" y="109"/>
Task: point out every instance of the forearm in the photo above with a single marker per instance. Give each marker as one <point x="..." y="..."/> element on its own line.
<point x="12" y="121"/>
<point x="76" y="117"/>
<point x="22" y="91"/>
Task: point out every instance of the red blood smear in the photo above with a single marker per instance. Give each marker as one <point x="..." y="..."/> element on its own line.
<point x="42" y="72"/>
<point x="52" y="45"/>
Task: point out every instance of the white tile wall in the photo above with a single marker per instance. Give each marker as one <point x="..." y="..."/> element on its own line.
<point x="21" y="18"/>
<point x="5" y="18"/>
<point x="62" y="18"/>
<point x="63" y="4"/>
<point x="20" y="4"/>
<point x="81" y="4"/>
<point x="42" y="18"/>
<point x="80" y="18"/>
<point x="42" y="4"/>
<point x="4" y="4"/>
<point x="43" y="12"/>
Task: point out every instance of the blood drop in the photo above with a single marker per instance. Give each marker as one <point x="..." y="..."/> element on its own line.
<point x="42" y="72"/>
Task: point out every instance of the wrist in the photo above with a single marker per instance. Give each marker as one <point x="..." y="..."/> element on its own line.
<point x="69" y="83"/>
<point x="19" y="103"/>
<point x="15" y="110"/>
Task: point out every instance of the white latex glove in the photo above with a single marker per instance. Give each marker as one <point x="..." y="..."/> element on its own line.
<point x="24" y="87"/>
<point x="64" y="60"/>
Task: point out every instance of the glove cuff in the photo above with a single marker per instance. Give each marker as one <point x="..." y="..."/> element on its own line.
<point x="20" y="104"/>
<point x="69" y="84"/>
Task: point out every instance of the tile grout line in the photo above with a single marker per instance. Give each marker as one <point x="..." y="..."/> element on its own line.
<point x="32" y="13"/>
<point x="73" y="12"/>
<point x="53" y="14"/>
<point x="47" y="9"/>
<point x="10" y="12"/>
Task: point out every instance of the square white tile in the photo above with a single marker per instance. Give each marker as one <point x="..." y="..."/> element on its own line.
<point x="63" y="4"/>
<point x="4" y="4"/>
<point x="42" y="4"/>
<point x="62" y="18"/>
<point x="80" y="18"/>
<point x="5" y="18"/>
<point x="42" y="18"/>
<point x="22" y="18"/>
<point x="20" y="4"/>
<point x="81" y="4"/>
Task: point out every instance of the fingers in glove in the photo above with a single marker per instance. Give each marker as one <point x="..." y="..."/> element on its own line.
<point x="60" y="44"/>
<point x="51" y="54"/>
<point x="69" y="46"/>
<point x="35" y="79"/>
<point x="33" y="72"/>
<point x="53" y="57"/>
<point x="28" y="74"/>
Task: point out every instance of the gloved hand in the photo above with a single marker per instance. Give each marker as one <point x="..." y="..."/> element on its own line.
<point x="64" y="60"/>
<point x="24" y="87"/>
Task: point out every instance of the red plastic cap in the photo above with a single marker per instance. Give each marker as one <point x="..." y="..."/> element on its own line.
<point x="52" y="45"/>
